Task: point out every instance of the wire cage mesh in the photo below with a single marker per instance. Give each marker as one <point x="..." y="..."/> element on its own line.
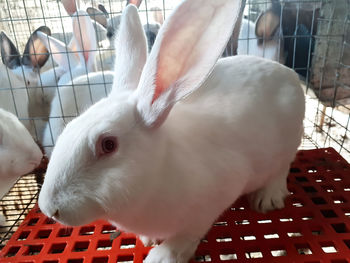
<point x="318" y="49"/>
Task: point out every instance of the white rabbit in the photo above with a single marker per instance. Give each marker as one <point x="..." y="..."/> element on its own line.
<point x="19" y="154"/>
<point x="71" y="7"/>
<point x="78" y="57"/>
<point x="71" y="102"/>
<point x="249" y="44"/>
<point x="105" y="58"/>
<point x="101" y="34"/>
<point x="164" y="168"/>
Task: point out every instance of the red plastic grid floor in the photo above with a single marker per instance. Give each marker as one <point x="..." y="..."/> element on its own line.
<point x="313" y="228"/>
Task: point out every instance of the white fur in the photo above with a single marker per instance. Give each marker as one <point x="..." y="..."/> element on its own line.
<point x="178" y="165"/>
<point x="19" y="154"/>
<point x="73" y="99"/>
<point x="85" y="47"/>
<point x="14" y="97"/>
<point x="248" y="44"/>
<point x="101" y="34"/>
<point x="76" y="59"/>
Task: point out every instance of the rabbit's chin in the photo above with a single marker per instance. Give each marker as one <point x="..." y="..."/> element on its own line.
<point x="77" y="217"/>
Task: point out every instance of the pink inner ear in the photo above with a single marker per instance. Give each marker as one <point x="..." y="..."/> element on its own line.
<point x="167" y="73"/>
<point x="160" y="88"/>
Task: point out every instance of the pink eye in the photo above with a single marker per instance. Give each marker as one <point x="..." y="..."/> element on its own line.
<point x="107" y="145"/>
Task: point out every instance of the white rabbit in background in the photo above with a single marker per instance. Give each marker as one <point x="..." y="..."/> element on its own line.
<point x="181" y="135"/>
<point x="19" y="154"/>
<point x="101" y="34"/>
<point x="78" y="57"/>
<point x="71" y="7"/>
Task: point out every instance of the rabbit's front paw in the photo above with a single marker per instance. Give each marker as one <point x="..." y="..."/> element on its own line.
<point x="162" y="254"/>
<point x="270" y="197"/>
<point x="175" y="250"/>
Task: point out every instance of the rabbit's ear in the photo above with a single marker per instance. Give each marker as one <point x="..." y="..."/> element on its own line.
<point x="9" y="53"/>
<point x="185" y="51"/>
<point x="134" y="2"/>
<point x="85" y="37"/>
<point x="103" y="9"/>
<point x="58" y="50"/>
<point x="97" y="15"/>
<point x="71" y="6"/>
<point x="35" y="53"/>
<point x="267" y="24"/>
<point x="131" y="51"/>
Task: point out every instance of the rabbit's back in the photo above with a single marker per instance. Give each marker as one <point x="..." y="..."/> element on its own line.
<point x="248" y="106"/>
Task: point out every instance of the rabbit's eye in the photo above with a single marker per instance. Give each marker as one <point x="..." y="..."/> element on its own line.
<point x="109" y="145"/>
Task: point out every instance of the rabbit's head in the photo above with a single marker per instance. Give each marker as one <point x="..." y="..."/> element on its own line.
<point x="116" y="147"/>
<point x="292" y="25"/>
<point x="35" y="55"/>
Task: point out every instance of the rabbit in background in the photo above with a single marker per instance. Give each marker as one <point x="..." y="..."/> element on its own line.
<point x="111" y="24"/>
<point x="133" y="159"/>
<point x="27" y="66"/>
<point x="22" y="77"/>
<point x="245" y="42"/>
<point x="34" y="89"/>
<point x="71" y="6"/>
<point x="249" y="44"/>
<point x="293" y="24"/>
<point x="79" y="56"/>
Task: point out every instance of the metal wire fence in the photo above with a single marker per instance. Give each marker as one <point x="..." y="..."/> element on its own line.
<point x="310" y="36"/>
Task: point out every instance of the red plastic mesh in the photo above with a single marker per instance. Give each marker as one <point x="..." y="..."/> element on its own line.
<point x="314" y="227"/>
